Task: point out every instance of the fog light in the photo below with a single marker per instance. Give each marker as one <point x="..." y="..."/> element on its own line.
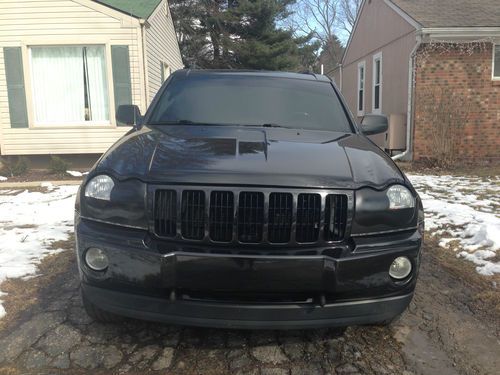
<point x="96" y="259"/>
<point x="400" y="268"/>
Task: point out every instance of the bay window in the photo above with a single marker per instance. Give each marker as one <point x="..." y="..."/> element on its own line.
<point x="70" y="85"/>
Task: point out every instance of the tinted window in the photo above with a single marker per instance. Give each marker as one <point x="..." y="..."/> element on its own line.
<point x="249" y="100"/>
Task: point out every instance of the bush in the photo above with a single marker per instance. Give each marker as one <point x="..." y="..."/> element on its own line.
<point x="15" y="166"/>
<point x="58" y="165"/>
<point x="446" y="113"/>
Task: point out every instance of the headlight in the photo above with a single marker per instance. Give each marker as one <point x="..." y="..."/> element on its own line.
<point x="400" y="197"/>
<point x="100" y="187"/>
<point x="384" y="210"/>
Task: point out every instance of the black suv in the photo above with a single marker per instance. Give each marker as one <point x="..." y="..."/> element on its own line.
<point x="248" y="200"/>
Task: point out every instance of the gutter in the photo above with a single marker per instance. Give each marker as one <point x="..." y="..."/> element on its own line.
<point x="409" y="117"/>
<point x="473" y="32"/>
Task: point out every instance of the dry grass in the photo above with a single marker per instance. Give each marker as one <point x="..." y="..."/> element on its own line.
<point x="459" y="170"/>
<point x="22" y="295"/>
<point x="486" y="296"/>
<point x="9" y="371"/>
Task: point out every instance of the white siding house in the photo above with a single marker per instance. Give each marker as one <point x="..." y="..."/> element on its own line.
<point x="66" y="65"/>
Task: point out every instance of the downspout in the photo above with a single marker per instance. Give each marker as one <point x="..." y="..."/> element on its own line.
<point x="145" y="61"/>
<point x="411" y="65"/>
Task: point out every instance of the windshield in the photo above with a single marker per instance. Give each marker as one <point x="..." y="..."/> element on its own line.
<point x="231" y="99"/>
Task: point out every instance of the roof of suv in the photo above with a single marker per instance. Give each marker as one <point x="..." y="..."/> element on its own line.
<point x="256" y="73"/>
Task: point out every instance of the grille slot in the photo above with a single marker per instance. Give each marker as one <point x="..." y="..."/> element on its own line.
<point x="280" y="217"/>
<point x="250" y="216"/>
<point x="308" y="217"/>
<point x="193" y="214"/>
<point x="335" y="217"/>
<point x="221" y="216"/>
<point x="166" y="213"/>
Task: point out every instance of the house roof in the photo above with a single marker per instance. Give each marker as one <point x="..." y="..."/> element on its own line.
<point x="452" y="13"/>
<point x="136" y="8"/>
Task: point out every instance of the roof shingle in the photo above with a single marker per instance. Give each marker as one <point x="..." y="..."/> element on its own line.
<point x="452" y="13"/>
<point x="136" y="8"/>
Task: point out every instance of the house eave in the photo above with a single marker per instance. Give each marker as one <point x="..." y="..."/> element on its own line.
<point x="460" y="33"/>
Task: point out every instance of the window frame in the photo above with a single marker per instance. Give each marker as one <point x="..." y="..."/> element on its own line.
<point x="493" y="76"/>
<point x="377" y="57"/>
<point x="30" y="95"/>
<point x="166" y="71"/>
<point x="361" y="64"/>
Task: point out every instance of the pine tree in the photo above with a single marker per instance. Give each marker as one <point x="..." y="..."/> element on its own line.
<point x="239" y="34"/>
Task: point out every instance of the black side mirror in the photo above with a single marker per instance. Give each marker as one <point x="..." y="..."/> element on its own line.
<point x="129" y="114"/>
<point x="374" y="124"/>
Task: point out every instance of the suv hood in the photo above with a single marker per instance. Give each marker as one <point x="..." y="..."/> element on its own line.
<point x="249" y="156"/>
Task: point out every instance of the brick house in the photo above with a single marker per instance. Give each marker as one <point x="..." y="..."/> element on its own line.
<point x="407" y="56"/>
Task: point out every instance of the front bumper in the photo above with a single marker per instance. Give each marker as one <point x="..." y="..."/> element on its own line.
<point x="238" y="316"/>
<point x="334" y="287"/>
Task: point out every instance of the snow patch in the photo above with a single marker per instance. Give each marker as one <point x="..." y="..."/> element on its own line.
<point x="30" y="222"/>
<point x="2" y="178"/>
<point x="466" y="210"/>
<point x="75" y="173"/>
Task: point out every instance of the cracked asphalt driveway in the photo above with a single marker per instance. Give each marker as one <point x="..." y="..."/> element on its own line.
<point x="451" y="327"/>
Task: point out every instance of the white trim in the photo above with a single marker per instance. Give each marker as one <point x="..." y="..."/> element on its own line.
<point x="363" y="65"/>
<point x="403" y="14"/>
<point x="462" y="32"/>
<point x="493" y="76"/>
<point x="377" y="56"/>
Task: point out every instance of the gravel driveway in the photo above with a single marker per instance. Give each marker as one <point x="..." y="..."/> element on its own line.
<point x="446" y="330"/>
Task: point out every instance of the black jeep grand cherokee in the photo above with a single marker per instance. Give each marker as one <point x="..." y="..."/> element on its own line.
<point x="248" y="200"/>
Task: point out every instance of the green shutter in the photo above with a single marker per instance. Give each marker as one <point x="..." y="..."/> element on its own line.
<point x="15" y="87"/>
<point x="121" y="76"/>
<point x="162" y="72"/>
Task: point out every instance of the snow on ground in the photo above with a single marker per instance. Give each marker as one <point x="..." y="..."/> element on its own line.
<point x="465" y="213"/>
<point x="30" y="222"/>
<point x="76" y="173"/>
<point x="2" y="178"/>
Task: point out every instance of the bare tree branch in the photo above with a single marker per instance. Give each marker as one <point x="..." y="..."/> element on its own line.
<point x="348" y="10"/>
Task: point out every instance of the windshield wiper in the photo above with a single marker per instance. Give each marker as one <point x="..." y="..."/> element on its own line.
<point x="270" y="125"/>
<point x="180" y="122"/>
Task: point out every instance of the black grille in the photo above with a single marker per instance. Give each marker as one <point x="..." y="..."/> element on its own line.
<point x="335" y="217"/>
<point x="250" y="216"/>
<point x="166" y="213"/>
<point x="308" y="217"/>
<point x="280" y="217"/>
<point x="271" y="217"/>
<point x="193" y="214"/>
<point x="221" y="216"/>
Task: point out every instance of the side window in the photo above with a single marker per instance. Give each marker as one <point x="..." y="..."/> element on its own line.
<point x="496" y="62"/>
<point x="361" y="88"/>
<point x="377" y="83"/>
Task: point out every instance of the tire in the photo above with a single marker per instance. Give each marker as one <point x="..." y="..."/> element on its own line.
<point x="98" y="314"/>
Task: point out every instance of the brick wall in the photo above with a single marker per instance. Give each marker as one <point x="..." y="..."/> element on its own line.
<point x="468" y="76"/>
